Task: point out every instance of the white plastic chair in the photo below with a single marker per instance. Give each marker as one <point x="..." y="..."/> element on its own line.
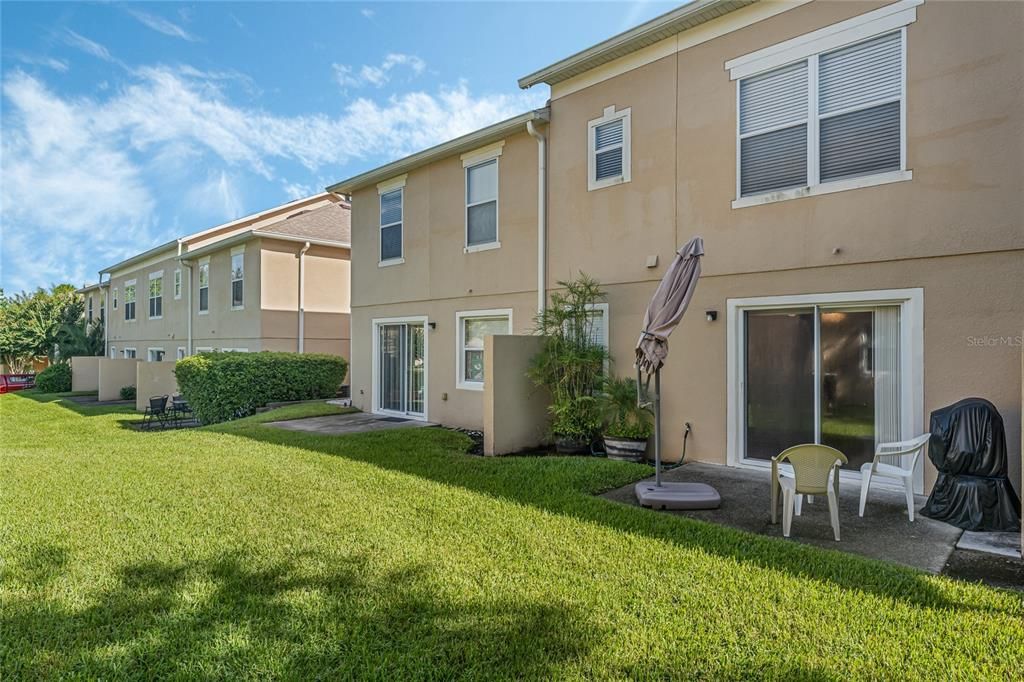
<point x="815" y="470"/>
<point x="888" y="463"/>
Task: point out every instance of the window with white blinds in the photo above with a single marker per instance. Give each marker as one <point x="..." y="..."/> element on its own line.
<point x="608" y="149"/>
<point x="832" y="116"/>
<point x="391" y="225"/>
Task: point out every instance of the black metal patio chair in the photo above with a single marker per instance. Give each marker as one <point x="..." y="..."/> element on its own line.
<point x="157" y="413"/>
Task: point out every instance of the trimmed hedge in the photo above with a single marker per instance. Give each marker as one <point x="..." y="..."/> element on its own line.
<point x="223" y="386"/>
<point x="55" y="378"/>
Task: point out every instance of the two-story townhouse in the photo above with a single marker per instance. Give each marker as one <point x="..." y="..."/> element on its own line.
<point x="274" y="280"/>
<point x="95" y="299"/>
<point x="855" y="170"/>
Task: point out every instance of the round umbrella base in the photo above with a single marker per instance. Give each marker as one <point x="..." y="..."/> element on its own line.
<point x="677" y="496"/>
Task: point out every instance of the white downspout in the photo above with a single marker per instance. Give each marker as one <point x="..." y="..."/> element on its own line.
<point x="187" y="264"/>
<point x="542" y="216"/>
<point x="302" y="299"/>
<point x="106" y="316"/>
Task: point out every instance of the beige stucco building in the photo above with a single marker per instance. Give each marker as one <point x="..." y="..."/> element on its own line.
<point x="856" y="170"/>
<point x="275" y="280"/>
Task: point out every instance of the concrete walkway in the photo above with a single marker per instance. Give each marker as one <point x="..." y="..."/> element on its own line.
<point x="884" y="532"/>
<point x="340" y="424"/>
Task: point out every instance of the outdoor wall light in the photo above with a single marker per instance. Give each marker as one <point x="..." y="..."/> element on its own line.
<point x="712" y="315"/>
<point x="433" y="325"/>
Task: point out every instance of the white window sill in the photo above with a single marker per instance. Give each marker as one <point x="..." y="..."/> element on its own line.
<point x="158" y="317"/>
<point x="482" y="247"/>
<point x="469" y="386"/>
<point x="238" y="307"/>
<point x="390" y="262"/>
<point x="606" y="182"/>
<point x="204" y="312"/>
<point x="824" y="188"/>
<point x="177" y="298"/>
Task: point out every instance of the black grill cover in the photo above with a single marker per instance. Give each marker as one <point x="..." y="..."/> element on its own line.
<point x="968" y="447"/>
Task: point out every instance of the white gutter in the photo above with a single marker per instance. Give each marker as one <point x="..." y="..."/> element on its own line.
<point x="187" y="264"/>
<point x="302" y="300"/>
<point x="542" y="216"/>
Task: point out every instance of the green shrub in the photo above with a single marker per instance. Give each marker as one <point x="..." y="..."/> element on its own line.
<point x="223" y="386"/>
<point x="127" y="393"/>
<point x="55" y="378"/>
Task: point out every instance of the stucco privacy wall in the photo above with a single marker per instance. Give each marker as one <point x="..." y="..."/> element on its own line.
<point x="85" y="373"/>
<point x="115" y="375"/>
<point x="515" y="410"/>
<point x="152" y="379"/>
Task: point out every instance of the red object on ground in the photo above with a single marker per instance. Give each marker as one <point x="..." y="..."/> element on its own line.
<point x="16" y="382"/>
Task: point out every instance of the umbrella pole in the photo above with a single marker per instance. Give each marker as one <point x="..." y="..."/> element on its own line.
<point x="657" y="427"/>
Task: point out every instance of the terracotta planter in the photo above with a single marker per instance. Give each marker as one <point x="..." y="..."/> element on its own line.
<point x="625" y="449"/>
<point x="565" y="445"/>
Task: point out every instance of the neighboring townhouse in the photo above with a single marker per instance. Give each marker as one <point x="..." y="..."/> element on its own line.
<point x="95" y="298"/>
<point x="856" y="171"/>
<point x="275" y="280"/>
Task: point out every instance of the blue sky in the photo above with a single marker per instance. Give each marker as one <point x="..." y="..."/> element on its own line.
<point x="125" y="125"/>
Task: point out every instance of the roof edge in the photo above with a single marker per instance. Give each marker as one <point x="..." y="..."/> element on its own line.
<point x="445" y="149"/>
<point x="139" y="257"/>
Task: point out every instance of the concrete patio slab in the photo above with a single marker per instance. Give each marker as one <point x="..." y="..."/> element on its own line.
<point x="885" y="532"/>
<point x="340" y="424"/>
<point x="1004" y="544"/>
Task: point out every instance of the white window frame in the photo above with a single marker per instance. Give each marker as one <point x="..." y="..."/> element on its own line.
<point x="134" y="353"/>
<point x="809" y="47"/>
<point x="181" y="353"/>
<point x="115" y="298"/>
<point x="375" y="325"/>
<point x="204" y="349"/>
<point x="234" y="350"/>
<point x="392" y="185"/>
<point x="911" y="302"/>
<point x="177" y="284"/>
<point x="471" y="160"/>
<point x="609" y="115"/>
<point x="135" y="295"/>
<point x="236" y="251"/>
<point x="460" y="341"/>
<point x="113" y="352"/>
<point x="149" y="296"/>
<point x="149" y="354"/>
<point x="88" y="314"/>
<point x="203" y="262"/>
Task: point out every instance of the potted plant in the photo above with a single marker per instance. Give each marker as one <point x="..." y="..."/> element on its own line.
<point x="570" y="364"/>
<point x="628" y="426"/>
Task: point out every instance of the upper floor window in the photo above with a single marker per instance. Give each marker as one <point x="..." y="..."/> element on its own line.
<point x="472" y="328"/>
<point x="608" y="149"/>
<point x="129" y="300"/>
<point x="177" y="284"/>
<point x="825" y="111"/>
<point x="156" y="295"/>
<point x="115" y="298"/>
<point x="237" y="277"/>
<point x="103" y="308"/>
<point x="391" y="237"/>
<point x="88" y="316"/>
<point x="204" y="285"/>
<point x="482" y="204"/>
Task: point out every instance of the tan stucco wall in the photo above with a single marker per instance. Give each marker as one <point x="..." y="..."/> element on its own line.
<point x="154" y="378"/>
<point x="143" y="333"/>
<point x="223" y="327"/>
<point x="85" y="373"/>
<point x="956" y="230"/>
<point x="115" y="375"/>
<point x="515" y="410"/>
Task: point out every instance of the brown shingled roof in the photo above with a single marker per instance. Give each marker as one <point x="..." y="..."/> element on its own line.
<point x="331" y="222"/>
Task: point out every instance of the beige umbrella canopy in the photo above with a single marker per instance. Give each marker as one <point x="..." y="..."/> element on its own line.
<point x="668" y="305"/>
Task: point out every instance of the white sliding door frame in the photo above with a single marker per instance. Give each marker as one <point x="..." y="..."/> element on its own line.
<point x="377" y="323"/>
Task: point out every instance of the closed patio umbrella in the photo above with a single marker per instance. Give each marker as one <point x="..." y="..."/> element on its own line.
<point x="664" y="312"/>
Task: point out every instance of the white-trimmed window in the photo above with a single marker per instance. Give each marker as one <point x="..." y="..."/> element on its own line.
<point x="115" y="298"/>
<point x="237" y="277"/>
<point x="204" y="349"/>
<point x="472" y="327"/>
<point x="234" y="350"/>
<point x="392" y="198"/>
<point x="204" y="286"/>
<point x="129" y="353"/>
<point x="113" y="352"/>
<point x="481" y="168"/>
<point x="103" y="308"/>
<point x="155" y="354"/>
<point x="608" y="149"/>
<point x="824" y="112"/>
<point x="156" y="295"/>
<point x="129" y="300"/>
<point x="181" y="353"/>
<point x="177" y="284"/>
<point x="88" y="316"/>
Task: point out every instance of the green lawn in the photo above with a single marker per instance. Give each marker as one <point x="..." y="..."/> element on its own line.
<point x="246" y="551"/>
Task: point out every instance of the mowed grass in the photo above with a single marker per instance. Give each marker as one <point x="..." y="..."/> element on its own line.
<point x="243" y="551"/>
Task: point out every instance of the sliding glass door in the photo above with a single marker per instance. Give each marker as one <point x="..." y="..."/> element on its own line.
<point x="827" y="375"/>
<point x="401" y="368"/>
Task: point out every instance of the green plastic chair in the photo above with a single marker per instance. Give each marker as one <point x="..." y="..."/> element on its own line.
<point x="815" y="472"/>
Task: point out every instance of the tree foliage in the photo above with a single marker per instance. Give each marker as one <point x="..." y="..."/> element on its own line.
<point x="31" y="324"/>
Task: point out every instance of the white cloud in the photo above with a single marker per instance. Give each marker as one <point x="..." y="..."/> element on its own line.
<point x="296" y="190"/>
<point x="380" y="74"/>
<point x="88" y="46"/>
<point x="367" y="13"/>
<point x="161" y="25"/>
<point x="90" y="170"/>
<point x="36" y="60"/>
